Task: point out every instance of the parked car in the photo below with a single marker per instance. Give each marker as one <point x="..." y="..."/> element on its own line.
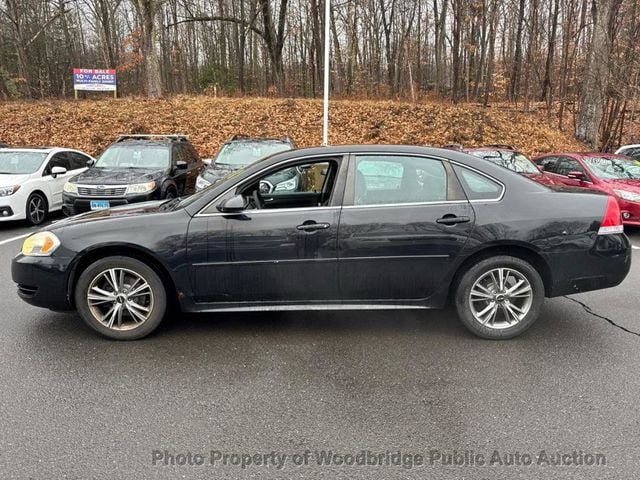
<point x="136" y="168"/>
<point x="616" y="175"/>
<point x="31" y="180"/>
<point x="240" y="151"/>
<point x="632" y="151"/>
<point x="508" y="157"/>
<point x="373" y="236"/>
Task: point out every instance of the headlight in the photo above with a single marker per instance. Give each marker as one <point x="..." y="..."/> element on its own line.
<point x="201" y="183"/>
<point x="288" y="185"/>
<point x="631" y="196"/>
<point x="6" y="191"/>
<point x="41" y="244"/>
<point x="140" y="188"/>
<point x="70" y="187"/>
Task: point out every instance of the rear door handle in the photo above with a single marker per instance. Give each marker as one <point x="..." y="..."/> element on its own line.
<point x="451" y="219"/>
<point x="312" y="226"/>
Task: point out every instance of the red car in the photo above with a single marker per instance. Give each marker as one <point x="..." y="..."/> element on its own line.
<point x="506" y="156"/>
<point x="617" y="175"/>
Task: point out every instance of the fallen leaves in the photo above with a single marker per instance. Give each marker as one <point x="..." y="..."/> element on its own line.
<point x="91" y="125"/>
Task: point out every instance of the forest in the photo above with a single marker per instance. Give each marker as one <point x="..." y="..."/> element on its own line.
<point x="576" y="60"/>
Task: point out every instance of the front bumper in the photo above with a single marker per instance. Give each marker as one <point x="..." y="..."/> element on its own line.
<point x="630" y="212"/>
<point x="42" y="281"/>
<point x="75" y="204"/>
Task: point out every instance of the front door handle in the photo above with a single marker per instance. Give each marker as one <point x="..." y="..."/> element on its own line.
<point x="451" y="219"/>
<point x="312" y="226"/>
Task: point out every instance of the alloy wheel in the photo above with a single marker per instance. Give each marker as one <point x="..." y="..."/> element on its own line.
<point x="120" y="299"/>
<point x="500" y="298"/>
<point x="37" y="209"/>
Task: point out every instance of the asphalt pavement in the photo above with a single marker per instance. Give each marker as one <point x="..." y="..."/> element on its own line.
<point x="363" y="395"/>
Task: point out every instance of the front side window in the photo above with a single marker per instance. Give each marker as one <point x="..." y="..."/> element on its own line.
<point x="20" y="163"/>
<point x="78" y="161"/>
<point x="134" y="156"/>
<point x="548" y="164"/>
<point x="568" y="165"/>
<point x="391" y="179"/>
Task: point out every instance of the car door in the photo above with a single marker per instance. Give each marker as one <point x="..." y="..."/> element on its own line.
<point x="281" y="248"/>
<point x="404" y="222"/>
<point x="55" y="183"/>
<point x="179" y="175"/>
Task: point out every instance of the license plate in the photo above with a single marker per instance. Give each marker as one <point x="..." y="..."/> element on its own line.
<point x="99" y="204"/>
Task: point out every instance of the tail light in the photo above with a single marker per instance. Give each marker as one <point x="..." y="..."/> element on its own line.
<point x="612" y="220"/>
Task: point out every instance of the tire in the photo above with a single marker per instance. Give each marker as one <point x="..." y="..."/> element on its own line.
<point x="170" y="194"/>
<point x="36" y="209"/>
<point x="123" y="324"/>
<point x="516" y="308"/>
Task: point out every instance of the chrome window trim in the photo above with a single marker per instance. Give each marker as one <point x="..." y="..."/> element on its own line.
<point x="343" y="155"/>
<point x="268" y="210"/>
<point x="248" y="179"/>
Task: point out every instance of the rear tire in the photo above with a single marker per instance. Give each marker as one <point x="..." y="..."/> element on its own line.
<point x="121" y="298"/>
<point x="36" y="209"/>
<point x="499" y="297"/>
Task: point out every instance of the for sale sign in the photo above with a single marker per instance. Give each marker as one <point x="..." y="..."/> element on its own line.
<point x="94" y="80"/>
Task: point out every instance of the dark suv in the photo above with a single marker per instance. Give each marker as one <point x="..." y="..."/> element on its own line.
<point x="135" y="168"/>
<point x="240" y="151"/>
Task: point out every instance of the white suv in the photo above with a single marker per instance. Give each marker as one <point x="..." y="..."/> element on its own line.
<point x="31" y="180"/>
<point x="632" y="151"/>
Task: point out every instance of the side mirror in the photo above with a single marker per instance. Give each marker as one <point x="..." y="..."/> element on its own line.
<point x="181" y="165"/>
<point x="55" y="171"/>
<point x="91" y="162"/>
<point x="576" y="176"/>
<point x="234" y="204"/>
<point x="207" y="161"/>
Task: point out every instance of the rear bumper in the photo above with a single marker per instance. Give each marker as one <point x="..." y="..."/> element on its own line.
<point x="42" y="281"/>
<point x="74" y="204"/>
<point x="605" y="265"/>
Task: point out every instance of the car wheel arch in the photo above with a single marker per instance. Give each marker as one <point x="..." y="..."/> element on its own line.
<point x="517" y="250"/>
<point x="87" y="257"/>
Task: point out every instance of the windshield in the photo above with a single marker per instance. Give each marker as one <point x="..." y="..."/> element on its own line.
<point x="512" y="160"/>
<point x="16" y="163"/>
<point x="241" y="154"/>
<point x="608" y="168"/>
<point x="134" y="156"/>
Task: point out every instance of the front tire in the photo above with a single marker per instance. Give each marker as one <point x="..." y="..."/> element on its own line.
<point x="121" y="298"/>
<point x="499" y="297"/>
<point x="36" y="209"/>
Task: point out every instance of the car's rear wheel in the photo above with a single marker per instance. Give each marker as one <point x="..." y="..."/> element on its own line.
<point x="121" y="298"/>
<point x="499" y="297"/>
<point x="36" y="210"/>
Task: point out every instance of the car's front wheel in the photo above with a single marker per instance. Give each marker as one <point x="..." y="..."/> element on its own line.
<point x="499" y="297"/>
<point x="36" y="208"/>
<point x="121" y="298"/>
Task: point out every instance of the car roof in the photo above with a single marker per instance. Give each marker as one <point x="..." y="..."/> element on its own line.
<point x="631" y="145"/>
<point x="247" y="139"/>
<point x="34" y="149"/>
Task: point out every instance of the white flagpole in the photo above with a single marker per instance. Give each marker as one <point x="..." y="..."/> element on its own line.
<point x="325" y="119"/>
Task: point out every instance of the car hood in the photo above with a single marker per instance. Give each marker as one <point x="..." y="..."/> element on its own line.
<point x="216" y="172"/>
<point x="117" y="176"/>
<point x="622" y="184"/>
<point x="10" y="180"/>
<point x="135" y="209"/>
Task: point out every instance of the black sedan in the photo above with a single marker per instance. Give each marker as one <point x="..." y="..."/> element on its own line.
<point x="389" y="227"/>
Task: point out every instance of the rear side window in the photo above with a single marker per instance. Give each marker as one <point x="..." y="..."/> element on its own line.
<point x="395" y="179"/>
<point x="477" y="186"/>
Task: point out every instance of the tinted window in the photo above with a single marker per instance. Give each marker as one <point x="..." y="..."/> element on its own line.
<point x="59" y="160"/>
<point x="567" y="165"/>
<point x="477" y="186"/>
<point x="78" y="161"/>
<point x="392" y="179"/>
<point x="548" y="164"/>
